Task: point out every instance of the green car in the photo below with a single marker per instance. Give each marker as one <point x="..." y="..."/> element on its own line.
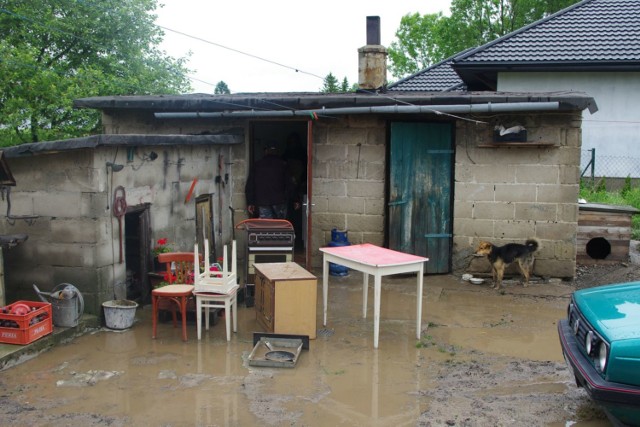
<point x="600" y="340"/>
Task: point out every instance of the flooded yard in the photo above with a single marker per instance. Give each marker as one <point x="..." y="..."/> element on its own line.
<point x="484" y="359"/>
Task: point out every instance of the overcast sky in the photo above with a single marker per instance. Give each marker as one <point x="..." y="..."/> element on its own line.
<point x="315" y="38"/>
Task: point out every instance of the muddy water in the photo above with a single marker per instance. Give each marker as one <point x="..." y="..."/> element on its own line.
<point x="465" y="366"/>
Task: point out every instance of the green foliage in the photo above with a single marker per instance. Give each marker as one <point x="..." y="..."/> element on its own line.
<point x="423" y="40"/>
<point x="602" y="185"/>
<point x="221" y="89"/>
<point x="55" y="51"/>
<point x="331" y="84"/>
<point x="627" y="186"/>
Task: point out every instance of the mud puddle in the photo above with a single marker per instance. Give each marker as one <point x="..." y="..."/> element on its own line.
<point x="484" y="358"/>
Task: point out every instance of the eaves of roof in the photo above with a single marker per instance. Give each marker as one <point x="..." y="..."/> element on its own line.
<point x="94" y="141"/>
<point x="269" y="102"/>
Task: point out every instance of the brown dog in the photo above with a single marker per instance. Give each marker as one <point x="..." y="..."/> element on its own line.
<point x="501" y="256"/>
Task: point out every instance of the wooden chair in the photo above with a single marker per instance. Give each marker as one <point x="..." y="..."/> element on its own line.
<point x="217" y="289"/>
<point x="179" y="290"/>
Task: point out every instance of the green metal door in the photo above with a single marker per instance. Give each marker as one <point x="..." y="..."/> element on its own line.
<point x="420" y="182"/>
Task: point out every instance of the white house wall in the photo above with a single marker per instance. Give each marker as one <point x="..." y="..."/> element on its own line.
<point x="614" y="131"/>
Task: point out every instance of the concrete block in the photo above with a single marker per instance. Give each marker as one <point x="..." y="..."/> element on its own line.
<point x="558" y="193"/>
<point x="77" y="230"/>
<point x="569" y="174"/>
<point x="515" y="193"/>
<point x="373" y="172"/>
<point x="536" y="211"/>
<point x="568" y="212"/>
<point x="346" y="205"/>
<point x="491" y="174"/>
<point x="373" y="238"/>
<point x="514" y="230"/>
<point x="343" y="170"/>
<point x="58" y="204"/>
<point x="337" y="136"/>
<point x="537" y="174"/>
<point x="491" y="210"/>
<point x="329" y="221"/>
<point x="330" y="153"/>
<point x="374" y="206"/>
<point x="330" y="188"/>
<point x="365" y="189"/>
<point x="366" y="153"/>
<point x="556" y="231"/>
<point x="463" y="209"/>
<point x="472" y="227"/>
<point x="365" y="222"/>
<point x="476" y="192"/>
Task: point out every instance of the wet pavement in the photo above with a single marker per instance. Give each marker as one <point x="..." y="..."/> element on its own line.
<point x="120" y="378"/>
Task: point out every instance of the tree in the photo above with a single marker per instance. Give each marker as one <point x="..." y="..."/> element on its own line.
<point x="423" y="40"/>
<point x="55" y="51"/>
<point x="221" y="89"/>
<point x="330" y="84"/>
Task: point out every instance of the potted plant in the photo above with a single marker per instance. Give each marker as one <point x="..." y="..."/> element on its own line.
<point x="162" y="246"/>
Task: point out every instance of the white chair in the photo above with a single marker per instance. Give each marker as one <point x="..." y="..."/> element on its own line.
<point x="216" y="289"/>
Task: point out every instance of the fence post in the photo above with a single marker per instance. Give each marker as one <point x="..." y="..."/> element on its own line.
<point x="591" y="163"/>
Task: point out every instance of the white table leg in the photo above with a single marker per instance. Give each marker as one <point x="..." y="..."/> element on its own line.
<point x="365" y="293"/>
<point x="325" y="287"/>
<point x="419" y="298"/>
<point x="199" y="317"/>
<point x="376" y="308"/>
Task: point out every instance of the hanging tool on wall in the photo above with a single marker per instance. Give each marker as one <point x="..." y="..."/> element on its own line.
<point x="221" y="187"/>
<point x="119" y="210"/>
<point x="190" y="193"/>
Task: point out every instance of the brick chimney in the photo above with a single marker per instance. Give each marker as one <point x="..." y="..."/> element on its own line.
<point x="372" y="58"/>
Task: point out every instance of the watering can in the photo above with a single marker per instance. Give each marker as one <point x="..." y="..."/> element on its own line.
<point x="67" y="304"/>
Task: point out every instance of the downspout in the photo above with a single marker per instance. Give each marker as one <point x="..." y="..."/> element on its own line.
<point x="388" y="109"/>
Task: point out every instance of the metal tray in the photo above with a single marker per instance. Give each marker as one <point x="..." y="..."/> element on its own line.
<point x="276" y="352"/>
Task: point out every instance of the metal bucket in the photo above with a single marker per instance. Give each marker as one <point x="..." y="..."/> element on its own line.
<point x="119" y="314"/>
<point x="67" y="304"/>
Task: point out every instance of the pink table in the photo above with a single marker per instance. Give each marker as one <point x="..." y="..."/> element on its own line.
<point x="372" y="259"/>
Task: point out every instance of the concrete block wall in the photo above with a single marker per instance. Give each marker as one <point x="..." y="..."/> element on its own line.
<point x="348" y="181"/>
<point x="507" y="193"/>
<point x="74" y="237"/>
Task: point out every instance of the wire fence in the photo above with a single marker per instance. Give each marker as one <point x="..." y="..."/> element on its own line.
<point x="595" y="166"/>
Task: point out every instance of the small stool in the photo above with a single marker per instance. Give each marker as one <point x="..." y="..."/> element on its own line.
<point x="178" y="294"/>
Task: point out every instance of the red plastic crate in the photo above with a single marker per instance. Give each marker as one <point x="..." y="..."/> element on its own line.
<point x="26" y="333"/>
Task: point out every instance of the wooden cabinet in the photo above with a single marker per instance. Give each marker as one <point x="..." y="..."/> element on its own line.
<point x="285" y="298"/>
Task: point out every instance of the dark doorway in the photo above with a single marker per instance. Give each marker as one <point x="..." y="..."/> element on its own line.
<point x="138" y="253"/>
<point x="290" y="138"/>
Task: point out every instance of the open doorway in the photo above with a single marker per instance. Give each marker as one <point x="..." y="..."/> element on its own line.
<point x="290" y="140"/>
<point x="137" y="253"/>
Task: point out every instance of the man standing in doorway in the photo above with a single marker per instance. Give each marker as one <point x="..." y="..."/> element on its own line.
<point x="269" y="186"/>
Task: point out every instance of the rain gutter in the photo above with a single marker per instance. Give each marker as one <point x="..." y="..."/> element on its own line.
<point x="391" y="109"/>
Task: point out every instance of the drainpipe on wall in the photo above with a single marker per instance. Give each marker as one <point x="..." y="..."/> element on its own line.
<point x="372" y="58"/>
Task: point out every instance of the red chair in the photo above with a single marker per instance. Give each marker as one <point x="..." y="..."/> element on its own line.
<point x="179" y="289"/>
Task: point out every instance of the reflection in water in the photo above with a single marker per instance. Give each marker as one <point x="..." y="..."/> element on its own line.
<point x="340" y="380"/>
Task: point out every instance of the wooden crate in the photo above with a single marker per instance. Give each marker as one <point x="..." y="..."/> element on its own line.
<point x="30" y="327"/>
<point x="602" y="229"/>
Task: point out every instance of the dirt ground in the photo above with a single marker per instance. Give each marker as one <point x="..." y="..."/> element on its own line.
<point x="484" y="359"/>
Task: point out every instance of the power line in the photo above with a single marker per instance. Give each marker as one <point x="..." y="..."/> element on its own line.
<point x="297" y="70"/>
